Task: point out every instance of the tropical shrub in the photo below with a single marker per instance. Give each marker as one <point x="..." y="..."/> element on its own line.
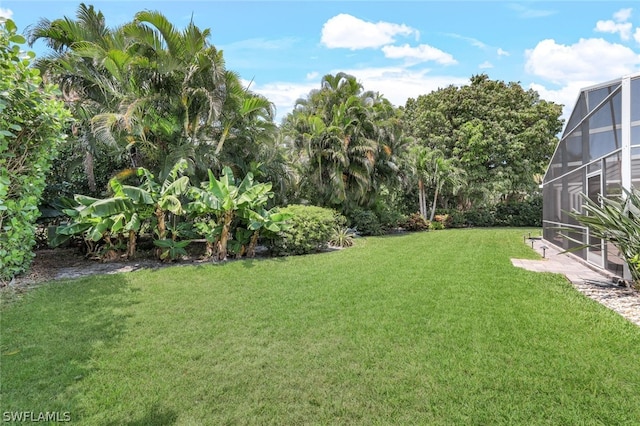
<point x="456" y="218"/>
<point x="67" y="178"/>
<point x="31" y="127"/>
<point x="435" y="226"/>
<point x="415" y="222"/>
<point x="342" y="237"/>
<point x="480" y="217"/>
<point x="170" y="249"/>
<point x="520" y="213"/>
<point x="388" y="216"/>
<point x="365" y="222"/>
<point x="616" y="221"/>
<point x="310" y="230"/>
<point x="443" y="219"/>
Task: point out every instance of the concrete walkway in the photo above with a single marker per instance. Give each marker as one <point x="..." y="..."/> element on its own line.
<point x="574" y="268"/>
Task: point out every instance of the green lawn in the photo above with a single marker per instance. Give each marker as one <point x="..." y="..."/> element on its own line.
<point x="427" y="328"/>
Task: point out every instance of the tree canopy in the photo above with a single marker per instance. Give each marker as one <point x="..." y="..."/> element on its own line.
<point x="346" y="141"/>
<point x="156" y="91"/>
<point x="500" y="134"/>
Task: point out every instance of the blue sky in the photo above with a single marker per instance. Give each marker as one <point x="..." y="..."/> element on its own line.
<point x="401" y="49"/>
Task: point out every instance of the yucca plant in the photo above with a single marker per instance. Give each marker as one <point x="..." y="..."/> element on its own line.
<point x="616" y="220"/>
<point x="342" y="237"/>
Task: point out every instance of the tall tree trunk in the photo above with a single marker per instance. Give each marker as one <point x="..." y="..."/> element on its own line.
<point x="209" y="249"/>
<point x="162" y="227"/>
<point x="225" y="132"/>
<point x="422" y="199"/>
<point x="251" y="250"/>
<point x="433" y="207"/>
<point x="131" y="246"/>
<point x="224" y="235"/>
<point x="88" y="165"/>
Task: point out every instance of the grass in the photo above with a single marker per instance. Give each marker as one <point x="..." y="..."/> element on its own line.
<point x="429" y="328"/>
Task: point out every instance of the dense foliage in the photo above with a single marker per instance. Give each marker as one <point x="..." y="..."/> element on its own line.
<point x="310" y="229"/>
<point x="498" y="133"/>
<point x="226" y="212"/>
<point x="31" y="127"/>
<point x="147" y="96"/>
<point x="346" y="142"/>
<point x="156" y="94"/>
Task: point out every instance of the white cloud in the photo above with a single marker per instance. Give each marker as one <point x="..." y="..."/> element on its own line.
<point x="588" y="60"/>
<point x="6" y="13"/>
<point x="622" y="28"/>
<point x="421" y="53"/>
<point x="566" y="95"/>
<point x="502" y="52"/>
<point x="622" y="15"/>
<point x="284" y="94"/>
<point x="618" y="25"/>
<point x="395" y="83"/>
<point x="312" y="75"/>
<point x="528" y="12"/>
<point x="636" y="35"/>
<point x="472" y="41"/>
<point x="485" y="65"/>
<point x="349" y="32"/>
<point x="399" y="84"/>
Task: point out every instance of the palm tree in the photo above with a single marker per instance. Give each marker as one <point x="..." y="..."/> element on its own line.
<point x="432" y="170"/>
<point x="160" y="92"/>
<point x="82" y="81"/>
<point x="337" y="132"/>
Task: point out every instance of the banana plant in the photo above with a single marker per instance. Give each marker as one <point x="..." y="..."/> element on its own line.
<point x="225" y="200"/>
<point x="156" y="200"/>
<point x="171" y="249"/>
<point x="128" y="208"/>
<point x="262" y="221"/>
<point x="241" y="239"/>
<point x="165" y="196"/>
<point x="102" y="219"/>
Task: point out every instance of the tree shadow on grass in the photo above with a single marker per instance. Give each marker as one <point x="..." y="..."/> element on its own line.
<point x="49" y="337"/>
<point x="155" y="416"/>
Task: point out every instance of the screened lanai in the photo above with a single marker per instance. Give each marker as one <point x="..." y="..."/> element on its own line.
<point x="599" y="153"/>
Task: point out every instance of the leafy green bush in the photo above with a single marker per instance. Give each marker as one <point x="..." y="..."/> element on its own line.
<point x="170" y="249"/>
<point x="520" y="213"/>
<point x="68" y="178"/>
<point x="31" y="127"/>
<point x="365" y="222"/>
<point x="443" y="219"/>
<point x="310" y="229"/>
<point x="436" y="226"/>
<point x="480" y="217"/>
<point x="456" y="218"/>
<point x="514" y="213"/>
<point x="388" y="216"/>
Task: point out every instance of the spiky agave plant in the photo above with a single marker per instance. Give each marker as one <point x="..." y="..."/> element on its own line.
<point x="342" y="237"/>
<point x="616" y="220"/>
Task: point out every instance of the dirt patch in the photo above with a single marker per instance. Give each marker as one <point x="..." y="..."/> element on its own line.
<point x="69" y="263"/>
